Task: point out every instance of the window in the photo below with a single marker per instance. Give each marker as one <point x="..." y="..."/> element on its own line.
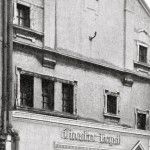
<point x="142" y="54"/>
<point x="26" y="90"/>
<point x="142" y="119"/>
<point x="67" y="98"/>
<point x="48" y="94"/>
<point x="45" y="94"/>
<point x="23" y="15"/>
<point x="111" y="103"/>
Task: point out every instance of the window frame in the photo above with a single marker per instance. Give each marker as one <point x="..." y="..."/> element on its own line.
<point x="112" y="93"/>
<point x="138" y="56"/>
<point x="20" y="100"/>
<point x="20" y="71"/>
<point x="146" y="112"/>
<point x="66" y="99"/>
<point x="26" y="19"/>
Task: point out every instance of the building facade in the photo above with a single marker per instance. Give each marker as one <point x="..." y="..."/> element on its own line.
<point x="81" y="74"/>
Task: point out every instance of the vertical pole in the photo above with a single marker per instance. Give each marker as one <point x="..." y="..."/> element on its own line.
<point x="9" y="60"/>
<point x="4" y="71"/>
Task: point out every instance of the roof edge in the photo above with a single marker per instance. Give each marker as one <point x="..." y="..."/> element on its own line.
<point x="145" y="6"/>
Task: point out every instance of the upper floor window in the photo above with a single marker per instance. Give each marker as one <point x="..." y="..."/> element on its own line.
<point x="48" y="94"/>
<point x="142" y="119"/>
<point x="67" y="98"/>
<point x="111" y="103"/>
<point x="23" y="15"/>
<point x="26" y="90"/>
<point x="142" y="54"/>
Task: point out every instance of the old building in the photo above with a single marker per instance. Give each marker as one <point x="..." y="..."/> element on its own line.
<point x="81" y="74"/>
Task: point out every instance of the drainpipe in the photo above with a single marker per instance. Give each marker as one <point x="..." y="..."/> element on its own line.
<point x="9" y="61"/>
<point x="12" y="135"/>
<point x="5" y="137"/>
<point x="4" y="69"/>
<point x="124" y="35"/>
<point x="3" y="132"/>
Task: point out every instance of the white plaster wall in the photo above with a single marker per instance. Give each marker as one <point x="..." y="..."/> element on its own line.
<point x="137" y="19"/>
<point x="41" y="135"/>
<point x="78" y="19"/>
<point x="91" y="84"/>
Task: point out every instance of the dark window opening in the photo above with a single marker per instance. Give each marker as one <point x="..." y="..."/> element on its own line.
<point x="26" y="90"/>
<point x="23" y="15"/>
<point x="143" y="54"/>
<point x="111" y="104"/>
<point x="48" y="94"/>
<point x="141" y="121"/>
<point x="67" y="93"/>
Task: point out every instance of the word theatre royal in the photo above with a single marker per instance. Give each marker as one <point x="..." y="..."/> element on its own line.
<point x="85" y="136"/>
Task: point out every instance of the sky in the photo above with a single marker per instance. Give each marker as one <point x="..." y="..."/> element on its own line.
<point x="148" y="2"/>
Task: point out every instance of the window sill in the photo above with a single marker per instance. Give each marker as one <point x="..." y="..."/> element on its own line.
<point x="28" y="30"/>
<point x="47" y="112"/>
<point x="113" y="116"/>
<point x="142" y="65"/>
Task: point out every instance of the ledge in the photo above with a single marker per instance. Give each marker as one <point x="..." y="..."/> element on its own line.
<point x="142" y="65"/>
<point x="46" y="112"/>
<point x="17" y="114"/>
<point x="111" y="116"/>
<point x="48" y="62"/>
<point x="28" y="30"/>
<point x="72" y="55"/>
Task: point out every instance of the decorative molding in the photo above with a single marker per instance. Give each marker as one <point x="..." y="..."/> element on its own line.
<point x="28" y="30"/>
<point x="25" y="37"/>
<point x="128" y="81"/>
<point x="145" y="6"/>
<point x="38" y="75"/>
<point x="48" y="62"/>
<point x="143" y="67"/>
<point x="79" y="123"/>
<point x="69" y="54"/>
<point x="142" y="30"/>
<point x="138" y="144"/>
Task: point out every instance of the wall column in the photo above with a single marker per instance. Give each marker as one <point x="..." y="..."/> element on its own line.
<point x="58" y="96"/>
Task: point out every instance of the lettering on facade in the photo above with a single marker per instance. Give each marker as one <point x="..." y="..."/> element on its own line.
<point x="85" y="136"/>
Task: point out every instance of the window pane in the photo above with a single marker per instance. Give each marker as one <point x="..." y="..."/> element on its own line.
<point x="26" y="89"/>
<point x="67" y="90"/>
<point x="48" y="94"/>
<point x="111" y="104"/>
<point x="23" y="15"/>
<point x="141" y="121"/>
<point x="142" y="54"/>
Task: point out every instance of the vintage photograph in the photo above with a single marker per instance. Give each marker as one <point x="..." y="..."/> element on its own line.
<point x="74" y="74"/>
